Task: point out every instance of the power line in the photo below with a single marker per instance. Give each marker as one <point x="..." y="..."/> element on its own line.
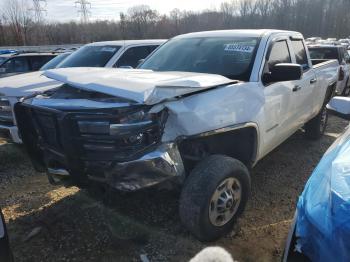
<point x="39" y="8"/>
<point x="84" y="10"/>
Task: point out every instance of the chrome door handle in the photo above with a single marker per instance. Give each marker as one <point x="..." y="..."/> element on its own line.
<point x="296" y="88"/>
<point x="313" y="81"/>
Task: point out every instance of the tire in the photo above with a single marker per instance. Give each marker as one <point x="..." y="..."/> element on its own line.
<point x="346" y="91"/>
<point x="316" y="127"/>
<point x="198" y="192"/>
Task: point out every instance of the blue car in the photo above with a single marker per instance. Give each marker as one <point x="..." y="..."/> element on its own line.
<point x="321" y="228"/>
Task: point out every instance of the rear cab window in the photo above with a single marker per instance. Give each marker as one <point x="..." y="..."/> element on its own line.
<point x="300" y="54"/>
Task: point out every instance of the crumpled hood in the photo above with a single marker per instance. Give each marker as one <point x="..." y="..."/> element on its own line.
<point x="26" y="84"/>
<point x="142" y="86"/>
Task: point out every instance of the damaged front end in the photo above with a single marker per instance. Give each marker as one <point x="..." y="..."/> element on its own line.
<point x="86" y="135"/>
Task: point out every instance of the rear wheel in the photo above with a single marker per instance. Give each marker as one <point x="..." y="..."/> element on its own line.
<point x="214" y="195"/>
<point x="316" y="127"/>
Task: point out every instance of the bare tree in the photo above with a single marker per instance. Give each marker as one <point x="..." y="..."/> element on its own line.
<point x="19" y="18"/>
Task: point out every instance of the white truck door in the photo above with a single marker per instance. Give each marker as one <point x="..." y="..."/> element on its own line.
<point x="279" y="115"/>
<point x="304" y="89"/>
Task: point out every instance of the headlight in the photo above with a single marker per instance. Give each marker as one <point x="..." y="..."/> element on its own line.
<point x="125" y="125"/>
<point x="132" y="123"/>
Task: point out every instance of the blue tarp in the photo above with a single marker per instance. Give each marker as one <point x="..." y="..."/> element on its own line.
<point x="323" y="223"/>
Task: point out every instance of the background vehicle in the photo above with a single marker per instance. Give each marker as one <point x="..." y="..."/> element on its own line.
<point x="13" y="64"/>
<point x="321" y="227"/>
<point x="321" y="53"/>
<point x="53" y="63"/>
<point x="101" y="54"/>
<point x="5" y="251"/>
<point x="201" y="110"/>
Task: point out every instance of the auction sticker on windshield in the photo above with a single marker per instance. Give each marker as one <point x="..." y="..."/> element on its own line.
<point x="239" y="48"/>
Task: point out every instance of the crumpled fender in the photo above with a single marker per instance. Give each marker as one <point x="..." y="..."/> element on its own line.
<point x="203" y="112"/>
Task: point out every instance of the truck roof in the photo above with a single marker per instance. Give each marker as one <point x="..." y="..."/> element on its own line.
<point x="238" y="32"/>
<point x="129" y="42"/>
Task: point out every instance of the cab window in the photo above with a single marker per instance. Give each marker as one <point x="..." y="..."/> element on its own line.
<point x="300" y="54"/>
<point x="279" y="54"/>
<point x="16" y="65"/>
<point x="133" y="55"/>
<point x="38" y="61"/>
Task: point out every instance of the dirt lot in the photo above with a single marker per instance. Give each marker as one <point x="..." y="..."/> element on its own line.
<point x="48" y="223"/>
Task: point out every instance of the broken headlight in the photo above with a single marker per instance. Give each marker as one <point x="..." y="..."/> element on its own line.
<point x="125" y="125"/>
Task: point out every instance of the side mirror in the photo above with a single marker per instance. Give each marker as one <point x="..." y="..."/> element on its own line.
<point x="283" y="72"/>
<point x="126" y="67"/>
<point x="340" y="106"/>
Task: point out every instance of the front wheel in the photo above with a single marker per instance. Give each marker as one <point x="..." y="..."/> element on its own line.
<point x="316" y="127"/>
<point x="214" y="195"/>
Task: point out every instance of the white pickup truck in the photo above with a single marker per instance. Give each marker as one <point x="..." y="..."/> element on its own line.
<point x="110" y="54"/>
<point x="202" y="110"/>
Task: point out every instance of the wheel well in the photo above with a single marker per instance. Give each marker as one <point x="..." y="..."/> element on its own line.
<point x="330" y="92"/>
<point x="240" y="144"/>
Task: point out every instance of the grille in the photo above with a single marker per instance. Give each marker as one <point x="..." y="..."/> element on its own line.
<point x="48" y="129"/>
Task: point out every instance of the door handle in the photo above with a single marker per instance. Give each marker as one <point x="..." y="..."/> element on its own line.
<point x="296" y="88"/>
<point x="313" y="81"/>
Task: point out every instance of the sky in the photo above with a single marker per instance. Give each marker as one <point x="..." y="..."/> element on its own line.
<point x="65" y="10"/>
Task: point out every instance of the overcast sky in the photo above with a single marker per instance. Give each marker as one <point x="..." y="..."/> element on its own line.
<point x="63" y="10"/>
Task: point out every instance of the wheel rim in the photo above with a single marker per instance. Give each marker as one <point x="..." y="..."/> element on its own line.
<point x="324" y="118"/>
<point x="225" y="202"/>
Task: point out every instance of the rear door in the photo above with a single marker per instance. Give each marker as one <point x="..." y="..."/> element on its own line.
<point x="304" y="104"/>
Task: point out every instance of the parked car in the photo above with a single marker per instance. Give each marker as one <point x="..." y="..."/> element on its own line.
<point x="5" y="251"/>
<point x="102" y="54"/>
<point x="201" y="110"/>
<point x="14" y="64"/>
<point x="321" y="53"/>
<point x="321" y="227"/>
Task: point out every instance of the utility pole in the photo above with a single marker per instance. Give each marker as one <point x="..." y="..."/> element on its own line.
<point x="84" y="10"/>
<point x="39" y="7"/>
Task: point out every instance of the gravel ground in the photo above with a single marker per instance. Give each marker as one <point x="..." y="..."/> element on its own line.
<point x="48" y="223"/>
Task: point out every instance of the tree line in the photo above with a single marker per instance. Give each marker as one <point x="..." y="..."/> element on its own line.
<point x="325" y="18"/>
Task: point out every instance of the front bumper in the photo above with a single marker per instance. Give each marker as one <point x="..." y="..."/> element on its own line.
<point x="8" y="128"/>
<point x="160" y="165"/>
<point x="60" y="145"/>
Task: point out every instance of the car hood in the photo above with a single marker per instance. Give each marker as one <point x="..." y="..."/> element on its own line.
<point x="142" y="86"/>
<point x="26" y="84"/>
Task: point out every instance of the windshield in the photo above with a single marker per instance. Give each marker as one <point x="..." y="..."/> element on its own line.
<point x="323" y="53"/>
<point x="232" y="57"/>
<point x="90" y="56"/>
<point x="54" y="62"/>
